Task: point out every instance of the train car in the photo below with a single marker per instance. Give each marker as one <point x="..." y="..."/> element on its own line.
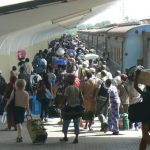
<point x="146" y="49"/>
<point x="83" y="36"/>
<point x="95" y="38"/>
<point x="89" y="37"/>
<point x="125" y="46"/>
<point x="102" y="40"/>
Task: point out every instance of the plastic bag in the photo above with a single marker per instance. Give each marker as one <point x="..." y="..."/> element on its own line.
<point x="4" y="117"/>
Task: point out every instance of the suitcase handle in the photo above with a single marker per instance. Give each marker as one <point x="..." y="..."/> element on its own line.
<point x="27" y="116"/>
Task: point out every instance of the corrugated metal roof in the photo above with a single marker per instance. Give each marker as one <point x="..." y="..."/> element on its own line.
<point x="103" y="30"/>
<point x="122" y="30"/>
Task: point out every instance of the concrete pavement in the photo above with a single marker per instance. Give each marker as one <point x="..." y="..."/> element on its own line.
<point x="88" y="140"/>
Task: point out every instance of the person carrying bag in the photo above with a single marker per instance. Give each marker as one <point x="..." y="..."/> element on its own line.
<point x="72" y="109"/>
<point x="140" y="112"/>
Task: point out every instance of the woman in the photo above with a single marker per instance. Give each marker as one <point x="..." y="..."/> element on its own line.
<point x="10" y="116"/>
<point x="89" y="90"/>
<point x="113" y="116"/>
<point x="21" y="103"/>
<point x="13" y="72"/>
<point x="73" y="101"/>
<point x="146" y="101"/>
<point x="44" y="96"/>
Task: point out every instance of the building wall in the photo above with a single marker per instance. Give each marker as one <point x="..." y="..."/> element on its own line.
<point x="7" y="61"/>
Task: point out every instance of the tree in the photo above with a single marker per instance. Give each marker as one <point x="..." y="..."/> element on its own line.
<point x="103" y="23"/>
<point x="89" y="26"/>
<point x="81" y="27"/>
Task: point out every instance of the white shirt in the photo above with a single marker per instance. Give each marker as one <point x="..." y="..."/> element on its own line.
<point x="38" y="77"/>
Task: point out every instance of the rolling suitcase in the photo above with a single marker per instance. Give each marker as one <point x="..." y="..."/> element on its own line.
<point x="36" y="130"/>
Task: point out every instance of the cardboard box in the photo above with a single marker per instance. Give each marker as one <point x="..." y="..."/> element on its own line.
<point x="144" y="77"/>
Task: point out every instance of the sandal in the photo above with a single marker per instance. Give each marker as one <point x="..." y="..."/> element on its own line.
<point x="19" y="140"/>
<point x="75" y="141"/>
<point x="65" y="139"/>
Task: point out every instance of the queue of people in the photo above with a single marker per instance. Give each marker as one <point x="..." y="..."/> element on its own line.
<point x="64" y="69"/>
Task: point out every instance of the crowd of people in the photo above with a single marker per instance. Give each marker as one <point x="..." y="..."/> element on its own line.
<point x="64" y="70"/>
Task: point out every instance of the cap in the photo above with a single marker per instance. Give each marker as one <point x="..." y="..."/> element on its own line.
<point x="92" y="70"/>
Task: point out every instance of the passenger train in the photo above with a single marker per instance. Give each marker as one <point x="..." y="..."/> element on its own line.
<point x="124" y="46"/>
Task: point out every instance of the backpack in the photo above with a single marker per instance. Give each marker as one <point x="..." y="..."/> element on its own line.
<point x="40" y="66"/>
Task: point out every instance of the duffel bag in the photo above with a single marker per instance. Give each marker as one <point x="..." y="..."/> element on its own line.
<point x="139" y="112"/>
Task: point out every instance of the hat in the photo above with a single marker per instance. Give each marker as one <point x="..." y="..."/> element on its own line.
<point x="85" y="64"/>
<point x="60" y="51"/>
<point x="103" y="66"/>
<point x="92" y="70"/>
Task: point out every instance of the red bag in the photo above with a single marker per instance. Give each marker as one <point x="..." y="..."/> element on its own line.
<point x="77" y="82"/>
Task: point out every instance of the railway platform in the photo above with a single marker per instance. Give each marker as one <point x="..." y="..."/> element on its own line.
<point x="88" y="140"/>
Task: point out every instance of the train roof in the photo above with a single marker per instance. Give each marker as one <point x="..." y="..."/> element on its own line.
<point x="124" y="29"/>
<point x="102" y="30"/>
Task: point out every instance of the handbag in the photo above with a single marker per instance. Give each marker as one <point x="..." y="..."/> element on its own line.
<point x="11" y="105"/>
<point x="60" y="100"/>
<point x="139" y="112"/>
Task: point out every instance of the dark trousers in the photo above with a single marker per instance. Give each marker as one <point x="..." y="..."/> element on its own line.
<point x="44" y="108"/>
<point x="145" y="136"/>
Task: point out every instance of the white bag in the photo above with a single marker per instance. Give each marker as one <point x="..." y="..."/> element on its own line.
<point x="4" y="117"/>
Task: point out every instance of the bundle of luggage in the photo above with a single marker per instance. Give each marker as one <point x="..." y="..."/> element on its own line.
<point x="54" y="112"/>
<point x="36" y="130"/>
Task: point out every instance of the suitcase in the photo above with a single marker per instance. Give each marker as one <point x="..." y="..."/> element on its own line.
<point x="36" y="130"/>
<point x="144" y="77"/>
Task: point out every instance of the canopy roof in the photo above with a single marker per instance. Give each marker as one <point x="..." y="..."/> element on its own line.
<point x="28" y="23"/>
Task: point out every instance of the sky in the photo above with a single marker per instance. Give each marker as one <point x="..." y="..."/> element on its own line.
<point x="134" y="9"/>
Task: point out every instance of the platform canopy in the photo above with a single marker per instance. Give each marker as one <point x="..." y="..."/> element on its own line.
<point x="28" y="22"/>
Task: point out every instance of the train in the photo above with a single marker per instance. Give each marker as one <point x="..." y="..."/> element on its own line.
<point x="123" y="46"/>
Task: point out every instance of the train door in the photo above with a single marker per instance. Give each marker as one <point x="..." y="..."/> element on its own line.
<point x="95" y="41"/>
<point x="85" y="38"/>
<point x="101" y="44"/>
<point x="90" y="41"/>
<point x="115" y="50"/>
<point x="146" y="50"/>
